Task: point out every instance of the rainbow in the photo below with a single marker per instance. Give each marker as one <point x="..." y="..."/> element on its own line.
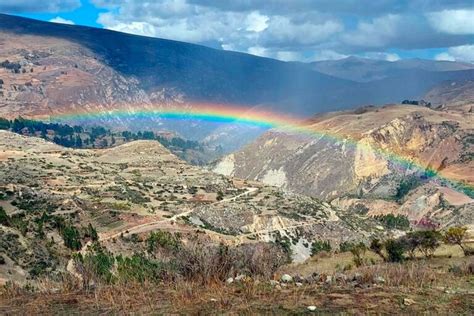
<point x="255" y="117"/>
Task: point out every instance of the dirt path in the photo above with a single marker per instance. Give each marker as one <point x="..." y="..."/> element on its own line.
<point x="142" y="228"/>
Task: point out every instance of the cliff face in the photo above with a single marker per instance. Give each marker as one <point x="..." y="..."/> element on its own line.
<point x="366" y="155"/>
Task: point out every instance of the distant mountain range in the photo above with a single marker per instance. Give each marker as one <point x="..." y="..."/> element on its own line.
<point x="66" y="68"/>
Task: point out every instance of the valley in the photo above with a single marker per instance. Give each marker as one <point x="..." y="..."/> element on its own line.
<point x="141" y="175"/>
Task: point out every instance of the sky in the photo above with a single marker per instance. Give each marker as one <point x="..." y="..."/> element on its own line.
<point x="289" y="30"/>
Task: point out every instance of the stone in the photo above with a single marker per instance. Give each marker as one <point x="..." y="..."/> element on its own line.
<point x="328" y="279"/>
<point x="379" y="280"/>
<point x="240" y="277"/>
<point x="298" y="284"/>
<point x="274" y="283"/>
<point x="340" y="277"/>
<point x="229" y="280"/>
<point x="311" y="308"/>
<point x="408" y="301"/>
<point x="357" y="277"/>
<point x="286" y="278"/>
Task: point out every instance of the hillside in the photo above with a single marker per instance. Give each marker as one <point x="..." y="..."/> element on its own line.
<point x="341" y="161"/>
<point x="126" y="192"/>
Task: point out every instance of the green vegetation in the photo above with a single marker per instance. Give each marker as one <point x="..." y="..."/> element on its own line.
<point x="4" y="218"/>
<point x="406" y="186"/>
<point x="164" y="240"/>
<point x="96" y="136"/>
<point x="457" y="236"/>
<point x="319" y="246"/>
<point x="391" y="221"/>
<point x="72" y="237"/>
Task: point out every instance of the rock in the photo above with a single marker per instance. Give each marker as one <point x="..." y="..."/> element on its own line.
<point x="311" y="308"/>
<point x="298" y="284"/>
<point x="357" y="277"/>
<point x="408" y="301"/>
<point x="328" y="279"/>
<point x="298" y="278"/>
<point x="341" y="277"/>
<point x="229" y="280"/>
<point x="240" y="277"/>
<point x="274" y="283"/>
<point x="286" y="278"/>
<point x="379" y="280"/>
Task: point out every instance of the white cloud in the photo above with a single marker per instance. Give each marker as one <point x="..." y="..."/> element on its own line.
<point x="20" y="6"/>
<point x="382" y="56"/>
<point x="283" y="31"/>
<point x="453" y="21"/>
<point x="376" y="33"/>
<point x="290" y="30"/>
<point x="459" y="53"/>
<point x="258" y="51"/>
<point x="327" y="55"/>
<point x="256" y="22"/>
<point x="445" y="57"/>
<point x="59" y="19"/>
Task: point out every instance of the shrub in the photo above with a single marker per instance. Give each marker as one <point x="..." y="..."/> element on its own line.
<point x="163" y="239"/>
<point x="391" y="221"/>
<point x="139" y="268"/>
<point x="358" y="251"/>
<point x="95" y="266"/>
<point x="377" y="246"/>
<point x="406" y="186"/>
<point x="456" y="236"/>
<point x="395" y="250"/>
<point x="424" y="240"/>
<point x="4" y="218"/>
<point x="346" y="246"/>
<point x="72" y="238"/>
<point x="319" y="246"/>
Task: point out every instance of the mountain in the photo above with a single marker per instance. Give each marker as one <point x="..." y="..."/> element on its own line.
<point x="49" y="69"/>
<point x="341" y="160"/>
<point x="365" y="70"/>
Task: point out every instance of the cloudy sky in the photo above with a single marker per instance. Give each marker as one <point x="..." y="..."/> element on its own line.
<point x="303" y="30"/>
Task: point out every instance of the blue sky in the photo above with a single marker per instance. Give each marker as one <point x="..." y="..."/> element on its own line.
<point x="296" y="30"/>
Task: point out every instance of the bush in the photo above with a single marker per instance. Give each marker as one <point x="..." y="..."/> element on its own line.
<point x="406" y="186"/>
<point x="395" y="250"/>
<point x="456" y="236"/>
<point x="72" y="238"/>
<point x="377" y="246"/>
<point x="346" y="246"/>
<point x="358" y="251"/>
<point x="4" y="218"/>
<point x="391" y="221"/>
<point x="164" y="240"/>
<point x="424" y="240"/>
<point x="319" y="246"/>
<point x="139" y="268"/>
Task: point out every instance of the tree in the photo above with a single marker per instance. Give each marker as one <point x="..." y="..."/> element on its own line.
<point x="78" y="141"/>
<point x="424" y="240"/>
<point x="456" y="236"/>
<point x="377" y="246"/>
<point x="395" y="250"/>
<point x="319" y="246"/>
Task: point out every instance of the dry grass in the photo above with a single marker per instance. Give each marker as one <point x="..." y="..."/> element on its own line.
<point x="423" y="282"/>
